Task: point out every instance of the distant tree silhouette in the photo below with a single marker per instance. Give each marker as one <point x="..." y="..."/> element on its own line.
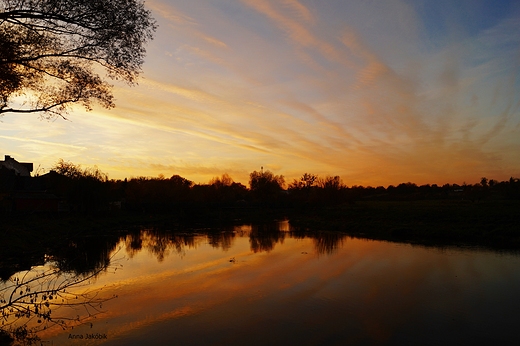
<point x="303" y="191"/>
<point x="265" y="186"/>
<point x="179" y="182"/>
<point x="225" y="180"/>
<point x="179" y="190"/>
<point x="513" y="190"/>
<point x="220" y="192"/>
<point x="157" y="194"/>
<point x="73" y="171"/>
<point x="329" y="182"/>
<point x="86" y="189"/>
<point x="307" y="180"/>
<point x="406" y="188"/>
<point x="332" y="190"/>
<point x="89" y="190"/>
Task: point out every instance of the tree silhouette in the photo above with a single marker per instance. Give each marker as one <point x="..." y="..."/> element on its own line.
<point x="222" y="191"/>
<point x="86" y="189"/>
<point x="265" y="186"/>
<point x="51" y="50"/>
<point x="331" y="190"/>
<point x="300" y="191"/>
<point x="306" y="181"/>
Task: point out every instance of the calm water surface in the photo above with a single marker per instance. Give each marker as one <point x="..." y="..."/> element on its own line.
<point x="269" y="286"/>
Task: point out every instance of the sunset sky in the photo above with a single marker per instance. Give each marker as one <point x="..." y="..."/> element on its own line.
<point x="377" y="92"/>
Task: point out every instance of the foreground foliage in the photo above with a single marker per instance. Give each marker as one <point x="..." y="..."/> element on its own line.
<point x="51" y="52"/>
<point x="45" y="297"/>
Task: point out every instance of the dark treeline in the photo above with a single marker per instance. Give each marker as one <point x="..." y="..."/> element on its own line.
<point x="70" y="188"/>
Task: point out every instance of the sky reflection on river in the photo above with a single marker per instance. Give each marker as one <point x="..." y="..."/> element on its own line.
<point x="265" y="286"/>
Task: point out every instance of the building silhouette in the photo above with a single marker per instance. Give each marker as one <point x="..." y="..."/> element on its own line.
<point x="22" y="169"/>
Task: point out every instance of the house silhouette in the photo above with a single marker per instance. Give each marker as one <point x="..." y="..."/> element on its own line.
<point x="22" y="169"/>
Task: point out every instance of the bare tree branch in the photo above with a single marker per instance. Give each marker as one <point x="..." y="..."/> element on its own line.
<point x="29" y="303"/>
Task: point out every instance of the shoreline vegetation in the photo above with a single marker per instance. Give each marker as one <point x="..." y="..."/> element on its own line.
<point x="70" y="201"/>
